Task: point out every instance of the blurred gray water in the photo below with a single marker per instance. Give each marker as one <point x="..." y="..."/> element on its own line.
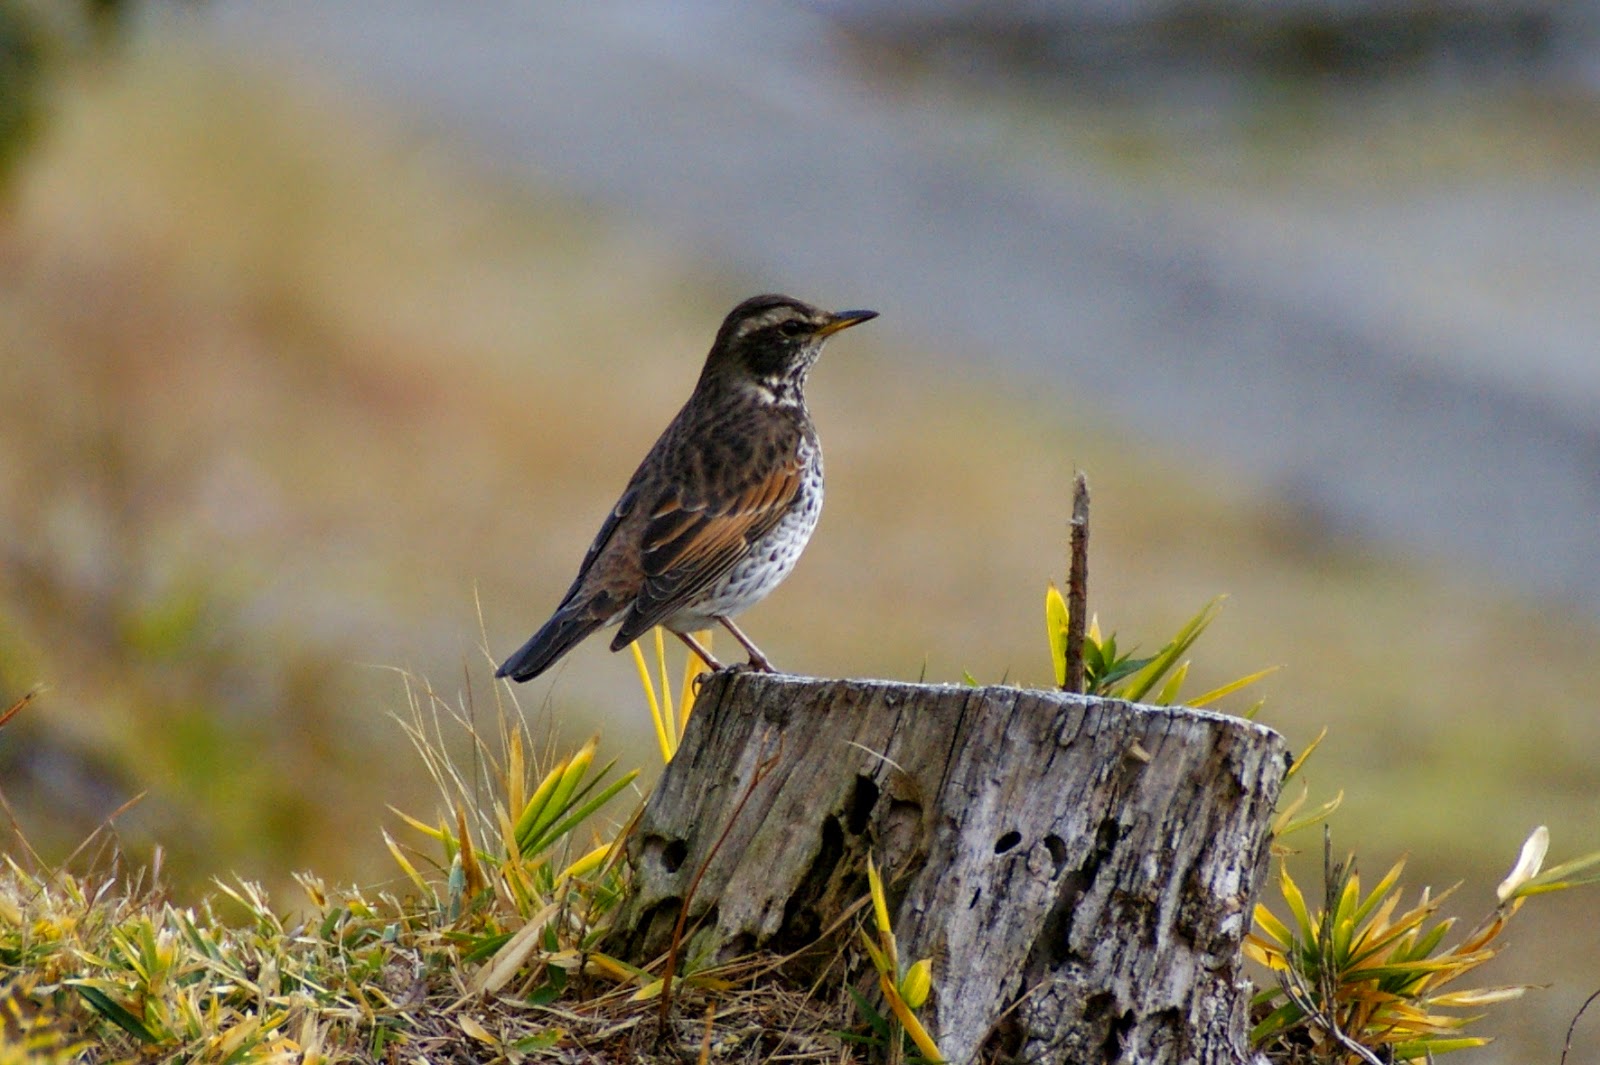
<point x="1419" y="368"/>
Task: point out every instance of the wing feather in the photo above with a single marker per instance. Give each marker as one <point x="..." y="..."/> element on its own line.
<point x="690" y="545"/>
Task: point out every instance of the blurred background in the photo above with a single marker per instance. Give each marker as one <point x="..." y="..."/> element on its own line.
<point x="330" y="332"/>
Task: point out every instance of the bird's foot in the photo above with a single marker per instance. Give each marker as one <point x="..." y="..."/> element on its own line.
<point x="758" y="662"/>
<point x="752" y="666"/>
<point x="700" y="652"/>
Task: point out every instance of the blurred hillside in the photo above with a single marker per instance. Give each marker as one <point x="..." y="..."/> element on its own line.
<point x="1374" y="283"/>
<point x="303" y="388"/>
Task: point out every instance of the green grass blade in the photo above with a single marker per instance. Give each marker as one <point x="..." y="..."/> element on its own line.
<point x="1141" y="682"/>
<point x="108" y="1008"/>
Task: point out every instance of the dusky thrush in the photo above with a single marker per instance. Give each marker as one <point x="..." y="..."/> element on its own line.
<point x="718" y="512"/>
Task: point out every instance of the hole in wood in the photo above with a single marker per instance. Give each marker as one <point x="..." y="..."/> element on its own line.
<point x="1007" y="841"/>
<point x="667" y="853"/>
<point x="1058" y="851"/>
<point x="739" y="946"/>
<point x="862" y="800"/>
<point x="656" y="923"/>
<point x="801" y="921"/>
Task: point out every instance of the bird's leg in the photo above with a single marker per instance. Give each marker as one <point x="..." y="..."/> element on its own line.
<point x="758" y="661"/>
<point x="694" y="645"/>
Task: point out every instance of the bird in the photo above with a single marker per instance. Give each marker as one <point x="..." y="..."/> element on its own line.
<point x="716" y="515"/>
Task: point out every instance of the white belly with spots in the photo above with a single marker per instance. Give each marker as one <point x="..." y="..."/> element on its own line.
<point x="765" y="566"/>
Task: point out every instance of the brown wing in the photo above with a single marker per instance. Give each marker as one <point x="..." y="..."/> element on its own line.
<point x="692" y="541"/>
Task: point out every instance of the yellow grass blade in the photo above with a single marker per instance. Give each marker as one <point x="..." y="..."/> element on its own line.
<point x="435" y="834"/>
<point x="693" y="668"/>
<point x="662" y="741"/>
<point x="919" y="1035"/>
<point x="588" y="863"/>
<point x="1305" y="754"/>
<point x="1173" y="685"/>
<point x="880" y="903"/>
<point x="405" y="866"/>
<point x="667" y="713"/>
<point x="1232" y="686"/>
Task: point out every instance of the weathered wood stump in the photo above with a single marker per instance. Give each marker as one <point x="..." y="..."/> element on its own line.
<point x="1080" y="870"/>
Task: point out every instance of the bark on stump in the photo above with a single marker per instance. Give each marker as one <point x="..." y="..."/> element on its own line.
<point x="1081" y="870"/>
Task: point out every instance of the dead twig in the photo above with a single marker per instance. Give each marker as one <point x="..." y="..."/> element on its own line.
<point x="1077" y="583"/>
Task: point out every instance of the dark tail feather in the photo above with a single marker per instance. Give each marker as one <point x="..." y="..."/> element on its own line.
<point x="559" y="635"/>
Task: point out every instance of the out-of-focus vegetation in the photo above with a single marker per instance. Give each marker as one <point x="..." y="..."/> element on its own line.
<point x="291" y="394"/>
<point x="39" y="38"/>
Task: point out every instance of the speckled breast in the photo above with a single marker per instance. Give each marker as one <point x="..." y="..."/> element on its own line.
<point x="769" y="559"/>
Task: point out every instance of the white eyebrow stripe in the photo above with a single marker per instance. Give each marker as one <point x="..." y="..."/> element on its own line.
<point x="764" y="321"/>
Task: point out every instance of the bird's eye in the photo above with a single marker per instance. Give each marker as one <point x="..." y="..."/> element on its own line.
<point x="792" y="328"/>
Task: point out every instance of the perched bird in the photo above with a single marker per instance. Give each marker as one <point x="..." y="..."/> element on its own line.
<point x="718" y="512"/>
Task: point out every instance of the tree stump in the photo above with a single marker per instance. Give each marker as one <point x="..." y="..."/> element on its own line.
<point x="1081" y="870"/>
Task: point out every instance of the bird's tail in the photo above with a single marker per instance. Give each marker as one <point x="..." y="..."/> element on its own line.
<point x="558" y="636"/>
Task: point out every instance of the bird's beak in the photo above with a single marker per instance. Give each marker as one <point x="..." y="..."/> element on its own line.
<point x="844" y="320"/>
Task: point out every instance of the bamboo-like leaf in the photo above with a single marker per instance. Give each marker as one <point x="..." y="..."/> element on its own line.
<point x="509" y="959"/>
<point x="1168" y="695"/>
<point x="1418" y="1050"/>
<point x="405" y="866"/>
<point x="1116" y="669"/>
<point x="558" y="798"/>
<point x="1379" y="890"/>
<point x="1543" y="887"/>
<point x="1487" y="933"/>
<point x="1261" y="952"/>
<point x="1147" y="677"/>
<point x="1305" y="754"/>
<point x="1428" y="941"/>
<point x="875" y="1020"/>
<point x="1394" y="938"/>
<point x="1314" y="817"/>
<point x="880" y="961"/>
<point x="587" y="864"/>
<point x="1268" y="922"/>
<point x="475" y="879"/>
<point x="435" y="834"/>
<point x="1297" y="907"/>
<point x="1279" y="1020"/>
<point x="1056" y="623"/>
<point x="908" y="1020"/>
<point x="474" y="1030"/>
<point x="1484" y="996"/>
<point x="514" y="775"/>
<point x="582" y="812"/>
<point x="613" y="969"/>
<point x="1232" y="686"/>
<point x="577" y="768"/>
<point x="534" y="809"/>
<point x="880" y="902"/>
<point x="1410" y="969"/>
<point x="112" y="1011"/>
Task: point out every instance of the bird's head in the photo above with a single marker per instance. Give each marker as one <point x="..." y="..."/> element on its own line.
<point x="772" y="341"/>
